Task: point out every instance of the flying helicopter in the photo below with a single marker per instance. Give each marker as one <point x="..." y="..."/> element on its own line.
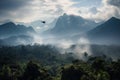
<point x="43" y="22"/>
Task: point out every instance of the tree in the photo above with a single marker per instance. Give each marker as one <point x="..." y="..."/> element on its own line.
<point x="71" y="73"/>
<point x="34" y="72"/>
<point x="6" y="73"/>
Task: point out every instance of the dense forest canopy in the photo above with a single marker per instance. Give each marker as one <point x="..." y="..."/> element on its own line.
<point x="45" y="62"/>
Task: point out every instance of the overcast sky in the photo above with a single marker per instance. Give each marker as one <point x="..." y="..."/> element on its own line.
<point x="30" y="10"/>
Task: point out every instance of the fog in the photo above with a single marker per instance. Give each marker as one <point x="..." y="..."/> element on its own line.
<point x="64" y="45"/>
<point x="79" y="46"/>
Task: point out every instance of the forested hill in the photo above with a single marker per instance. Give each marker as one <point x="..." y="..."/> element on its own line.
<point x="44" y="62"/>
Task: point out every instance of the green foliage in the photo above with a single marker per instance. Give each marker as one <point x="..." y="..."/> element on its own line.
<point x="45" y="63"/>
<point x="34" y="72"/>
<point x="5" y="73"/>
<point x="97" y="69"/>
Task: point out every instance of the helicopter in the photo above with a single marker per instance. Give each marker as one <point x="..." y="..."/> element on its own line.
<point x="43" y="22"/>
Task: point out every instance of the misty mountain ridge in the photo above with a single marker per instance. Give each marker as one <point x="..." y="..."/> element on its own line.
<point x="11" y="29"/>
<point x="66" y="26"/>
<point x="16" y="40"/>
<point x="108" y="32"/>
<point x="12" y="34"/>
<point x="71" y="25"/>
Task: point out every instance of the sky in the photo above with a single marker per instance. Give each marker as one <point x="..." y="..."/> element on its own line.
<point x="31" y="10"/>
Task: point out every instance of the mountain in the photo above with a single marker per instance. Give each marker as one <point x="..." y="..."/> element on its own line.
<point x="16" y="40"/>
<point x="12" y="34"/>
<point x="71" y="25"/>
<point x="41" y="27"/>
<point x="106" y="33"/>
<point x="11" y="29"/>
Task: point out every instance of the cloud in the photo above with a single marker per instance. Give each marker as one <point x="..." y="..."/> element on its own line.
<point x="114" y="2"/>
<point x="31" y="10"/>
<point x="93" y="10"/>
<point x="12" y="4"/>
<point x="108" y="9"/>
<point x="111" y="8"/>
<point x="9" y="8"/>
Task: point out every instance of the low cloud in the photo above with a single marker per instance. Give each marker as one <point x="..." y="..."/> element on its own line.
<point x="31" y="10"/>
<point x="81" y="45"/>
<point x="7" y="5"/>
<point x="114" y="2"/>
<point x="108" y="9"/>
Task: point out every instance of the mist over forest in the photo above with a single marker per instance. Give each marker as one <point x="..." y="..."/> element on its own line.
<point x="59" y="40"/>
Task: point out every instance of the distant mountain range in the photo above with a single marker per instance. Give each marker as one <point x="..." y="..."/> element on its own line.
<point x="68" y="25"/>
<point x="39" y="26"/>
<point x="12" y="34"/>
<point x="106" y="33"/>
<point x="17" y="40"/>
<point x="11" y="29"/>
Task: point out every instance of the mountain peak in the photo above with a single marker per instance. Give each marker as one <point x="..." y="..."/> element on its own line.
<point x="11" y="29"/>
<point x="9" y="23"/>
<point x="65" y="14"/>
<point x="113" y="18"/>
<point x="107" y="32"/>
